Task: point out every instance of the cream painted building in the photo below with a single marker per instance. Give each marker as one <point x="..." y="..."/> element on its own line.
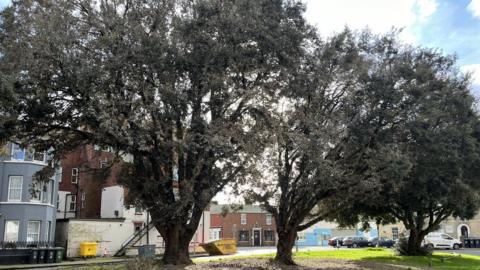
<point x="455" y="227"/>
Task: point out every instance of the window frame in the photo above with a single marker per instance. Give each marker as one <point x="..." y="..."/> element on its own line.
<point x="268" y="219"/>
<point x="9" y="189"/>
<point x="267" y="237"/>
<point x="243" y="218"/>
<point x="38" y="191"/>
<point x="395" y="233"/>
<point x="74" y="176"/>
<point x="29" y="154"/>
<point x="6" y="227"/>
<point x="48" y="227"/>
<point x="34" y="233"/>
<point x="246" y="234"/>
<point x="301" y="236"/>
<point x="72" y="201"/>
<point x="13" y="151"/>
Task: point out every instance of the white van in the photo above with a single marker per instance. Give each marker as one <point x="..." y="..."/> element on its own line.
<point x="441" y="240"/>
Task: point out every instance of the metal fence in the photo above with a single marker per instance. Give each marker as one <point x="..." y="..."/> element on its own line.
<point x="25" y="244"/>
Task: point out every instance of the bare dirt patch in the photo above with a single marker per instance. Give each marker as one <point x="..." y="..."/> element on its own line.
<point x="303" y="264"/>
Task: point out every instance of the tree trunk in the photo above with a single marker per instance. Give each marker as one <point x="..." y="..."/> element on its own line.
<point x="176" y="246"/>
<point x="286" y="241"/>
<point x="414" y="245"/>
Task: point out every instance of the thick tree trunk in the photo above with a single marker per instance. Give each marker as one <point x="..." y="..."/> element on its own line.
<point x="286" y="241"/>
<point x="414" y="245"/>
<point x="176" y="246"/>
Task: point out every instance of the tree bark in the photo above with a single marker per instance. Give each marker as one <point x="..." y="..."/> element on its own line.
<point x="414" y="245"/>
<point x="176" y="246"/>
<point x="286" y="241"/>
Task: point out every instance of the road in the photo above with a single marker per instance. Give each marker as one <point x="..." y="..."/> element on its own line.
<point x="469" y="251"/>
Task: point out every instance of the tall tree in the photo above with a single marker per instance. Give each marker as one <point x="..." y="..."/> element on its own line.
<point x="179" y="85"/>
<point x="309" y="131"/>
<point x="423" y="166"/>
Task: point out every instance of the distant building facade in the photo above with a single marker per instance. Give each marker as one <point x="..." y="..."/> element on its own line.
<point x="250" y="226"/>
<point x="94" y="209"/>
<point x="457" y="228"/>
<point x="80" y="189"/>
<point x="27" y="208"/>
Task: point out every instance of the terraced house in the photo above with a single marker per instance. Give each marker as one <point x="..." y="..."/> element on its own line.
<point x="27" y="209"/>
<point x="250" y="225"/>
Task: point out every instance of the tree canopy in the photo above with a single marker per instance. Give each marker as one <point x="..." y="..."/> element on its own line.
<point x="179" y="85"/>
<point x="423" y="165"/>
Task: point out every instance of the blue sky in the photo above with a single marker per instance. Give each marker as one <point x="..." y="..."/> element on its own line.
<point x="450" y="25"/>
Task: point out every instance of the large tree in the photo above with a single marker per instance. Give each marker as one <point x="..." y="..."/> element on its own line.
<point x="179" y="85"/>
<point x="424" y="165"/>
<point x="309" y="131"/>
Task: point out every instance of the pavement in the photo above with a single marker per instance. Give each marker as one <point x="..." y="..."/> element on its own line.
<point x="469" y="251"/>
<point x="69" y="264"/>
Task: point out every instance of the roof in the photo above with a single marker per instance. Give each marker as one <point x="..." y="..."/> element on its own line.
<point x="218" y="208"/>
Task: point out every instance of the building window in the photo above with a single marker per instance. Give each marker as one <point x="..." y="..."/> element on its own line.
<point x="52" y="193"/>
<point x="15" y="184"/>
<point x="58" y="202"/>
<point x="17" y="152"/>
<point x="268" y="219"/>
<point x="46" y="197"/>
<point x="243" y="219"/>
<point x="33" y="231"/>
<point x="47" y="230"/>
<point x="243" y="236"/>
<point x="395" y="233"/>
<point x="36" y="191"/>
<point x="28" y="154"/>
<point x="11" y="230"/>
<point x="301" y="236"/>
<point x="215" y="234"/>
<point x="72" y="205"/>
<point x="138" y="210"/>
<point x="74" y="175"/>
<point x="269" y="235"/>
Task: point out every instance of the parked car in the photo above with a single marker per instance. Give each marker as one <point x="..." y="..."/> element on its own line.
<point x="355" y="241"/>
<point x="382" y="242"/>
<point x="333" y="241"/>
<point x="441" y="240"/>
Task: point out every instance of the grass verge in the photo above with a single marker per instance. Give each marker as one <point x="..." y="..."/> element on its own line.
<point x="440" y="260"/>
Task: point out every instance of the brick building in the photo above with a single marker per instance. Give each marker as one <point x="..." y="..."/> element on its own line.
<point x="80" y="190"/>
<point x="93" y="208"/>
<point x="250" y="226"/>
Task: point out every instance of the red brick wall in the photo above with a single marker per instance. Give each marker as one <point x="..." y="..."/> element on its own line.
<point x="86" y="158"/>
<point x="230" y="226"/>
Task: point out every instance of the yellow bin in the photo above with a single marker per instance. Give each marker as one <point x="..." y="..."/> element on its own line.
<point x="220" y="247"/>
<point x="88" y="249"/>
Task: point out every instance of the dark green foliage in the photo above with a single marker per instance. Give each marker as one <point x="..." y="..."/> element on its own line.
<point x="181" y="86"/>
<point x="403" y="249"/>
<point x="422" y="165"/>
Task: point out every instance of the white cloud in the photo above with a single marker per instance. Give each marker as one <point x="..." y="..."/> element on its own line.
<point x="426" y="8"/>
<point x="474" y="8"/>
<point x="378" y="15"/>
<point x="474" y="69"/>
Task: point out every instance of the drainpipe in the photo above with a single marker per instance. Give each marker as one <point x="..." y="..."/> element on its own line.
<point x="148" y="223"/>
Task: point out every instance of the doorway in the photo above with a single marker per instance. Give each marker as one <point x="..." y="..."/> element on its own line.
<point x="257" y="237"/>
<point x="463" y="231"/>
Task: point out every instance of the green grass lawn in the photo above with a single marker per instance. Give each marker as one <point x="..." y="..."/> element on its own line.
<point x="440" y="261"/>
<point x="443" y="261"/>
